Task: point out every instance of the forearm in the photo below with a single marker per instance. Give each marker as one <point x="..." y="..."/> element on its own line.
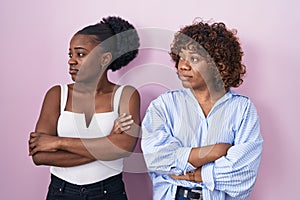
<point x="167" y="159"/>
<point x="60" y="159"/>
<point x="236" y="173"/>
<point x="199" y="157"/>
<point x="206" y="154"/>
<point x="106" y="148"/>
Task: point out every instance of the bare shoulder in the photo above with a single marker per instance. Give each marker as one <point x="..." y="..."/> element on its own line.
<point x="50" y="111"/>
<point x="54" y="91"/>
<point x="130" y="92"/>
<point x="130" y="102"/>
<point x="52" y="97"/>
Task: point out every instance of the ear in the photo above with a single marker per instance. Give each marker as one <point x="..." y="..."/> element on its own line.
<point x="106" y="59"/>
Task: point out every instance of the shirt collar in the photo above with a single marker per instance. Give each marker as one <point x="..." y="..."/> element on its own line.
<point x="192" y="99"/>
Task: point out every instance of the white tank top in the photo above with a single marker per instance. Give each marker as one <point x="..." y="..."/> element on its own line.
<point x="72" y="124"/>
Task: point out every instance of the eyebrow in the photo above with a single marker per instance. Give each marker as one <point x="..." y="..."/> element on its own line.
<point x="78" y="48"/>
<point x="190" y="52"/>
<point x="194" y="52"/>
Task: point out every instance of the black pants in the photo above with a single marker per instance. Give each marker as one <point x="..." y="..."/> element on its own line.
<point x="109" y="189"/>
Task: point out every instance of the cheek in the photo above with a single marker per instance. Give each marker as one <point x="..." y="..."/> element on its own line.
<point x="179" y="65"/>
<point x="91" y="64"/>
<point x="199" y="76"/>
<point x="91" y="61"/>
<point x="202" y="69"/>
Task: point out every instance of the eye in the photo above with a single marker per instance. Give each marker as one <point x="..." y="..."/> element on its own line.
<point x="70" y="55"/>
<point x="80" y="54"/>
<point x="194" y="59"/>
<point x="181" y="58"/>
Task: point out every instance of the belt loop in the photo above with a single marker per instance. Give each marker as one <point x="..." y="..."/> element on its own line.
<point x="62" y="187"/>
<point x="103" y="187"/>
<point x="185" y="193"/>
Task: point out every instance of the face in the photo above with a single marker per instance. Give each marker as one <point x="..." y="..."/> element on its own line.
<point x="193" y="70"/>
<point x="84" y="58"/>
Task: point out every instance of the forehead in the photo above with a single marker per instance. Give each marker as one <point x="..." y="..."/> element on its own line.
<point x="85" y="41"/>
<point x="188" y="52"/>
<point x="194" y="49"/>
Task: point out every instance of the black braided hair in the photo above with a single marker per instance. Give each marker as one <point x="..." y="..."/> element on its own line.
<point x="117" y="36"/>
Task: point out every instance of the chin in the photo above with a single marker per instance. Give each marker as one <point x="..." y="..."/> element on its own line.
<point x="186" y="84"/>
<point x="73" y="77"/>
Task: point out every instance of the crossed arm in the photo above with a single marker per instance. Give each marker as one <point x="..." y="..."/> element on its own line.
<point x="201" y="156"/>
<point x="46" y="148"/>
<point x="231" y="170"/>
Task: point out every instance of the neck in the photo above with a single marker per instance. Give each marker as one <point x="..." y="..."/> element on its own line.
<point x="208" y="96"/>
<point x="101" y="85"/>
<point x="104" y="85"/>
<point x="207" y="99"/>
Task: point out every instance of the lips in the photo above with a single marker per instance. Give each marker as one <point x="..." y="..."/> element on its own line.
<point x="73" y="71"/>
<point x="184" y="77"/>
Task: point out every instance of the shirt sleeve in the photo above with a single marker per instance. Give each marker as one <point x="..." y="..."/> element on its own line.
<point x="163" y="153"/>
<point x="235" y="173"/>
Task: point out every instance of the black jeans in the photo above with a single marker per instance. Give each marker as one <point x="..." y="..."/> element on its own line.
<point x="188" y="194"/>
<point x="109" y="189"/>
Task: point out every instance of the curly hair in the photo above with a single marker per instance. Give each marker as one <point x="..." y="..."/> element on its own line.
<point x="117" y="36"/>
<point x="216" y="43"/>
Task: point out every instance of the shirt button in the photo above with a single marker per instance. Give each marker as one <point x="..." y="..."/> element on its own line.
<point x="104" y="191"/>
<point x="83" y="190"/>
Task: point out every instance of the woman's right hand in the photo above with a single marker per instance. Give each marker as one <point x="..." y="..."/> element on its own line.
<point x="122" y="124"/>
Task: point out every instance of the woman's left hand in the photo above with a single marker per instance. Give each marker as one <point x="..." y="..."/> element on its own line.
<point x="122" y="124"/>
<point x="42" y="142"/>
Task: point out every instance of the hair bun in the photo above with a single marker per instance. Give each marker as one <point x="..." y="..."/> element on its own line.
<point x="127" y="41"/>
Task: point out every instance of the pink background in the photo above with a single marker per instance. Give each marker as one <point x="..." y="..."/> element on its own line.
<point x="34" y="42"/>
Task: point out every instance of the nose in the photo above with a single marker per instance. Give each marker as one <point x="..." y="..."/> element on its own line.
<point x="184" y="66"/>
<point x="72" y="62"/>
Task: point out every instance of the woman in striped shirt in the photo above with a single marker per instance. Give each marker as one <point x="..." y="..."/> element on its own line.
<point x="203" y="141"/>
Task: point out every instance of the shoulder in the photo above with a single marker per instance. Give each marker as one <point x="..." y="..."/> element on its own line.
<point x="237" y="97"/>
<point x="241" y="101"/>
<point x="168" y="100"/>
<point x="51" y="101"/>
<point x="130" y="91"/>
<point x="171" y="96"/>
<point x="130" y="102"/>
<point x="129" y="88"/>
<point x="53" y="92"/>
<point x="130" y="95"/>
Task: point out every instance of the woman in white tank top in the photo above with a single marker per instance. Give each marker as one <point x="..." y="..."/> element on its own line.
<point x="86" y="128"/>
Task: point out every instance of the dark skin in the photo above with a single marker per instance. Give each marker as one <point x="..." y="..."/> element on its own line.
<point x="89" y="95"/>
<point x="194" y="73"/>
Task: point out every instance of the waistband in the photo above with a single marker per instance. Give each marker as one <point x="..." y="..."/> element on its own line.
<point x="56" y="180"/>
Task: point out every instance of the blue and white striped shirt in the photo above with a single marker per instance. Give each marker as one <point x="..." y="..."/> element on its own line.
<point x="175" y="122"/>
